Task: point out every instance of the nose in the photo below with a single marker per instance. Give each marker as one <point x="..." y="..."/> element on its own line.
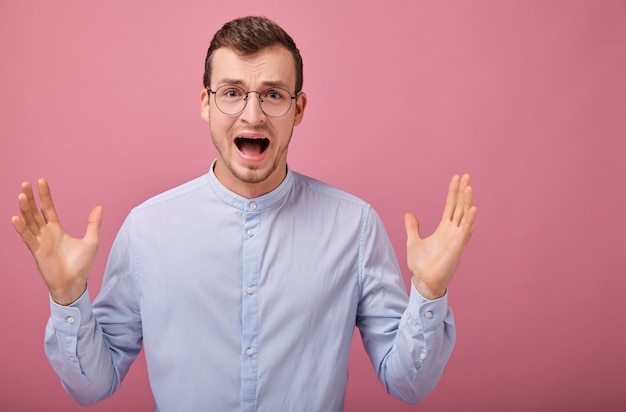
<point x="252" y="112"/>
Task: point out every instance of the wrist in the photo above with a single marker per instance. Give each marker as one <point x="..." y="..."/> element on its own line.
<point x="429" y="292"/>
<point x="68" y="296"/>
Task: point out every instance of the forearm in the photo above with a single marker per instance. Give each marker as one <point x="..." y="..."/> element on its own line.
<point x="423" y="344"/>
<point x="408" y="339"/>
<point x="80" y="353"/>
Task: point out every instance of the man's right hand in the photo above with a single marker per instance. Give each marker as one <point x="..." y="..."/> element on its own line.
<point x="64" y="261"/>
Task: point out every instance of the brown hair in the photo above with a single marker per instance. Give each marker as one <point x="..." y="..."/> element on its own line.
<point x="248" y="35"/>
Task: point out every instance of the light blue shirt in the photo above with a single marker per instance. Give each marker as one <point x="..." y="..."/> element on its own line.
<point x="250" y="304"/>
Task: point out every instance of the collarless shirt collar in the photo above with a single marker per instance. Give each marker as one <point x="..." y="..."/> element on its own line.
<point x="244" y="204"/>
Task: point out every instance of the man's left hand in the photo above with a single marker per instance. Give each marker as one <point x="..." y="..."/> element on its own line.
<point x="433" y="260"/>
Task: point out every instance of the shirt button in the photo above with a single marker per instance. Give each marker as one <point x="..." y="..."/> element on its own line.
<point x="249" y="290"/>
<point x="252" y="206"/>
<point x="428" y="315"/>
<point x="422" y="356"/>
<point x="250" y="233"/>
<point x="70" y="319"/>
<point x="73" y="358"/>
<point x="249" y="352"/>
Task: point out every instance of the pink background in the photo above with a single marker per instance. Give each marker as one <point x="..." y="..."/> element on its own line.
<point x="102" y="98"/>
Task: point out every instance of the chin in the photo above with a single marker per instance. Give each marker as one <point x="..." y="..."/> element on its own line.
<point x="253" y="175"/>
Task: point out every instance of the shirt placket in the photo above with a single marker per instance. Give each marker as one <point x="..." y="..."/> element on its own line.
<point x="250" y="308"/>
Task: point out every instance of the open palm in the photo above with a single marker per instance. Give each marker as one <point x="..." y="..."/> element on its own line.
<point x="433" y="259"/>
<point x="64" y="261"/>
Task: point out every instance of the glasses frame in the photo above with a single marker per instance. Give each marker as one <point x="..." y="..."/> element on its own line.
<point x="245" y="99"/>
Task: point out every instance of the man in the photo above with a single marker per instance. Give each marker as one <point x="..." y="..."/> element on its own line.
<point x="244" y="285"/>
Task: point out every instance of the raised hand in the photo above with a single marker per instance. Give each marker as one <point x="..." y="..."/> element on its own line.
<point x="434" y="259"/>
<point x="64" y="261"/>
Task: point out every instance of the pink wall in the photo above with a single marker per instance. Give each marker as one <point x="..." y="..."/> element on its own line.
<point x="528" y="96"/>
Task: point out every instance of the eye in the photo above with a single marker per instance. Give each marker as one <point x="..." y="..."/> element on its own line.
<point x="274" y="94"/>
<point x="231" y="92"/>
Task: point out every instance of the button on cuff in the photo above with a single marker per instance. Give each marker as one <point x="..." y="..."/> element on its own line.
<point x="68" y="318"/>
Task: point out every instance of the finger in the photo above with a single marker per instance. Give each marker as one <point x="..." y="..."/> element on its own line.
<point x="45" y="200"/>
<point x="460" y="209"/>
<point x="93" y="224"/>
<point x="27" y="236"/>
<point x="28" y="208"/>
<point x="451" y="200"/>
<point x="411" y="225"/>
<point x="468" y="198"/>
<point x="468" y="222"/>
<point x="469" y="212"/>
<point x="29" y="215"/>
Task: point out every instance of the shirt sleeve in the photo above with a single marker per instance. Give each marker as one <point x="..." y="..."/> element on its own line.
<point x="409" y="339"/>
<point x="91" y="354"/>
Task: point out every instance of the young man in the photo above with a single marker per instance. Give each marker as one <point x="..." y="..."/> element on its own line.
<point x="245" y="284"/>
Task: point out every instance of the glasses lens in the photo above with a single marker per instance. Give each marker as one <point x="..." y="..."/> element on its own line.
<point x="274" y="102"/>
<point x="230" y="99"/>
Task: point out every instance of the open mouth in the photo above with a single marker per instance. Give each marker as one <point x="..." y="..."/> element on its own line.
<point x="252" y="146"/>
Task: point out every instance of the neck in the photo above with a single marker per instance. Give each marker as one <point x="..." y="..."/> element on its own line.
<point x="249" y="186"/>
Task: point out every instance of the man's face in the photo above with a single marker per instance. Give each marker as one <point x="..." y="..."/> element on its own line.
<point x="251" y="146"/>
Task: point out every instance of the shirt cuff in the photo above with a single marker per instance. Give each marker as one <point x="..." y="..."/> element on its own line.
<point x="68" y="318"/>
<point x="429" y="312"/>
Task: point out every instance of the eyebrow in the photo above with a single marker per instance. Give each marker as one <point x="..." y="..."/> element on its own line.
<point x="268" y="83"/>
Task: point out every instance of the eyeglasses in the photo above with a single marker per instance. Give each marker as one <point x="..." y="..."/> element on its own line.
<point x="274" y="102"/>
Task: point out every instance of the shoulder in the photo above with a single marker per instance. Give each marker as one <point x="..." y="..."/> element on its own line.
<point x="179" y="193"/>
<point x="324" y="191"/>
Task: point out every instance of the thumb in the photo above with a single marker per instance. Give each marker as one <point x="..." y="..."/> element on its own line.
<point x="93" y="224"/>
<point x="411" y="225"/>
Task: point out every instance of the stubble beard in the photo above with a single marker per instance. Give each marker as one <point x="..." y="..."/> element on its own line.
<point x="252" y="176"/>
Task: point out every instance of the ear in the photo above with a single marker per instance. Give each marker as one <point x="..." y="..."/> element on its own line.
<point x="204" y="105"/>
<point x="300" y="106"/>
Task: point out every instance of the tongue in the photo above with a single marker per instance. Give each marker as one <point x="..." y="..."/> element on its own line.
<point x="250" y="147"/>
